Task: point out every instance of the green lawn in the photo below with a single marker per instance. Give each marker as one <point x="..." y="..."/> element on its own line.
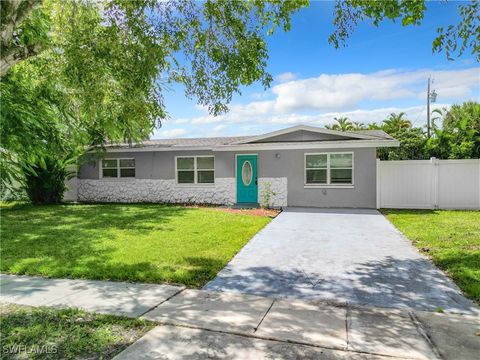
<point x="133" y="242"/>
<point x="450" y="238"/>
<point x="65" y="334"/>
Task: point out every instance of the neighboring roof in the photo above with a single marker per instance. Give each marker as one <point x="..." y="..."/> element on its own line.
<point x="363" y="138"/>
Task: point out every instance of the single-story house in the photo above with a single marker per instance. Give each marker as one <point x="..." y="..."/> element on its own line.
<point x="297" y="166"/>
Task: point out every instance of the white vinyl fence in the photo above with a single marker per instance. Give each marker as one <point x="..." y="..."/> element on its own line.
<point x="428" y="184"/>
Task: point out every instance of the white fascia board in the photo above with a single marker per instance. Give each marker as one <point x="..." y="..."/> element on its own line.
<point x="320" y="145"/>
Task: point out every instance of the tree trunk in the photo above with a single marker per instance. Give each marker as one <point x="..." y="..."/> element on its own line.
<point x="13" y="12"/>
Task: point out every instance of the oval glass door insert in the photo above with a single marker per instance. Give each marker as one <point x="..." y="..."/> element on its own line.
<point x="246" y="173"/>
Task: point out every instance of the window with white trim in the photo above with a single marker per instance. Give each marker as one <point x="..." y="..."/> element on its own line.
<point x="195" y="169"/>
<point x="329" y="169"/>
<point x="118" y="168"/>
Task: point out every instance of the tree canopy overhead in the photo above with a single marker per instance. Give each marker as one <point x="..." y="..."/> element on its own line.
<point x="117" y="57"/>
<point x="454" y="40"/>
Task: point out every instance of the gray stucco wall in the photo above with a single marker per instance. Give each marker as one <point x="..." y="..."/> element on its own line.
<point x="288" y="164"/>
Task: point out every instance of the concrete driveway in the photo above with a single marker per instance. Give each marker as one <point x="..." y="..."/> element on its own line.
<point x="353" y="256"/>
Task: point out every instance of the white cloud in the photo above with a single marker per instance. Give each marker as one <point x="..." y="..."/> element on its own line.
<point x="346" y="92"/>
<point x="168" y="134"/>
<point x="284" y="77"/>
<point x="456" y="84"/>
<point x="207" y="119"/>
<point x="337" y="92"/>
<point x="340" y="92"/>
<point x="217" y="130"/>
<point x="181" y="121"/>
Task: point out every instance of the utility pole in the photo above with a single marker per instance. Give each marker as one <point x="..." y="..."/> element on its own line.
<point x="431" y="96"/>
<point x="428" y="108"/>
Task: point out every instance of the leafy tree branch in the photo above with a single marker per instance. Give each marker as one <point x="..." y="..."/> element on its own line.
<point x="456" y="39"/>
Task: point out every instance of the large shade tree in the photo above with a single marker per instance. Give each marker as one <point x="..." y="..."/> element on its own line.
<point x="22" y="33"/>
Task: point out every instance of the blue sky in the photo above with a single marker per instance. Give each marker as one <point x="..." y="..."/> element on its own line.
<point x="382" y="70"/>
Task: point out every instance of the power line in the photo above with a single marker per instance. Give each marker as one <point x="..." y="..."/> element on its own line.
<point x="418" y="115"/>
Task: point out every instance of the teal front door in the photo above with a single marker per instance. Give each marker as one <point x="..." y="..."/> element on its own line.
<point x="247" y="184"/>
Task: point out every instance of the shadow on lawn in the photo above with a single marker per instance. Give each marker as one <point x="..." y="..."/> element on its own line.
<point x="391" y="282"/>
<point x="62" y="241"/>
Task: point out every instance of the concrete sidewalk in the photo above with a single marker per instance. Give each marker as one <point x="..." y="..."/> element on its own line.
<point x="197" y="324"/>
<point x="106" y="297"/>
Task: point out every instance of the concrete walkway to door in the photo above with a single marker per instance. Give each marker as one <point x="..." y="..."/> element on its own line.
<point x="351" y="256"/>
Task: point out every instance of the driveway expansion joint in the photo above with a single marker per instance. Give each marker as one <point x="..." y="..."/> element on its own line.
<point x="264" y="315"/>
<point x="418" y="324"/>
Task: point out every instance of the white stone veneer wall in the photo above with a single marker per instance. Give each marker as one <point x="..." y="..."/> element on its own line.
<point x="150" y="190"/>
<point x="278" y="186"/>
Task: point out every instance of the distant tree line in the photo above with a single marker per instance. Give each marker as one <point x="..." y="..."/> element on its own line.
<point x="455" y="134"/>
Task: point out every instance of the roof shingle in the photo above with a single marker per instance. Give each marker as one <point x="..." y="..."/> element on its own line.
<point x="226" y="140"/>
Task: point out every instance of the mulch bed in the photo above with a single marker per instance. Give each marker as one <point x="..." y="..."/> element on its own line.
<point x="256" y="212"/>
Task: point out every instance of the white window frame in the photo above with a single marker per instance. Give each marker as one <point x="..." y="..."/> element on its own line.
<point x="118" y="168"/>
<point x="328" y="184"/>
<point x="195" y="170"/>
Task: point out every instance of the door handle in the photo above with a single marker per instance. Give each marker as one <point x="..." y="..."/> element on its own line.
<point x="256" y="181"/>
